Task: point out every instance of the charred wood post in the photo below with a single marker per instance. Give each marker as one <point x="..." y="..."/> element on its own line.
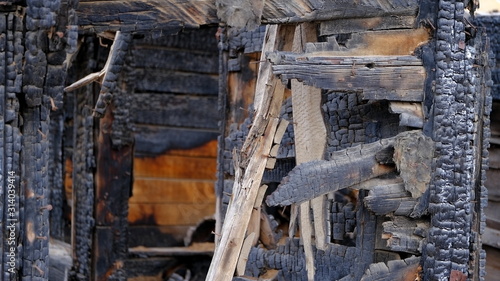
<point x="460" y="121"/>
<point x="33" y="73"/>
<point x="83" y="164"/>
<point x="114" y="178"/>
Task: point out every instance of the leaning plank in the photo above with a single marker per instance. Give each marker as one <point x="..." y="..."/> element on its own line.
<point x="268" y="99"/>
<point x="383" y="77"/>
<point x="348" y="167"/>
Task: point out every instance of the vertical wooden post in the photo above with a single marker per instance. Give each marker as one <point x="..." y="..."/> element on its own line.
<point x="310" y="143"/>
<point x="113" y="187"/>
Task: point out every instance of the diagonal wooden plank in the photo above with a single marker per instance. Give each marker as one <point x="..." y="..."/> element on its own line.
<point x="253" y="159"/>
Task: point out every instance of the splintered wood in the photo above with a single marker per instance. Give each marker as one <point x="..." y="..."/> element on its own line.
<point x="310" y="142"/>
<point x="253" y="159"/>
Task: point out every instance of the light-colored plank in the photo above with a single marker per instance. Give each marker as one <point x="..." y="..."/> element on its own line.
<point x="172" y="166"/>
<point x="255" y="150"/>
<point x="310" y="142"/>
<point x="169" y="214"/>
<point x="147" y="190"/>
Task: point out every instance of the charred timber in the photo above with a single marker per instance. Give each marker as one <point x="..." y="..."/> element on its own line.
<point x="169" y="17"/>
<point x="381" y="77"/>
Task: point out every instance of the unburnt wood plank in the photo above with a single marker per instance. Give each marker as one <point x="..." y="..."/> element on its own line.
<point x="169" y="214"/>
<point x="162" y="190"/>
<point x="268" y="100"/>
<point x="310" y="143"/>
<point x="169" y="166"/>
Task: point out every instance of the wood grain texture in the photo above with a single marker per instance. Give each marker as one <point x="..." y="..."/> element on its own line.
<point x="171" y="166"/>
<point x="174" y="214"/>
<point x="379" y="77"/>
<point x="268" y="100"/>
<point x="155" y="191"/>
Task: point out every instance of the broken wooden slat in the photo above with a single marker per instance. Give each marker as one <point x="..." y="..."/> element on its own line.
<point x="410" y="114"/>
<point x="347" y="167"/>
<point x="391" y="198"/>
<point x="407" y="269"/>
<point x="413" y="155"/>
<point x="268" y="100"/>
<point x="402" y="234"/>
<point x="383" y="77"/>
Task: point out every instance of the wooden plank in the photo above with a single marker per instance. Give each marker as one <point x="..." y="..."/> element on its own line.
<point x="351" y="25"/>
<point x="155" y="57"/>
<point x="310" y="143"/>
<point x="172" y="166"/>
<point x="157" y="235"/>
<point x="268" y="100"/>
<point x="192" y="250"/>
<point x="165" y="81"/>
<point x="379" y="77"/>
<point x="169" y="16"/>
<point x="158" y="190"/>
<point x="175" y="110"/>
<point x="140" y="16"/>
<point x="152" y="140"/>
<point x="282" y="11"/>
<point x="169" y="214"/>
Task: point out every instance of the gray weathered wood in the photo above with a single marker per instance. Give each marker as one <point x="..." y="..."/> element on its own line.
<point x="378" y="77"/>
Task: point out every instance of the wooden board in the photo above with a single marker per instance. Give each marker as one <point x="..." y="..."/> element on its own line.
<point x="156" y="191"/>
<point x="170" y="166"/>
<point x="175" y="110"/>
<point x="176" y="82"/>
<point x="380" y="77"/>
<point x="169" y="214"/>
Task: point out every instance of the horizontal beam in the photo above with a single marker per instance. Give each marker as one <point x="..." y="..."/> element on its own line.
<point x="171" y="16"/>
<point x="398" y="78"/>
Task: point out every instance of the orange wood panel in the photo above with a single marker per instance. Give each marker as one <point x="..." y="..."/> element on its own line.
<point x="147" y="190"/>
<point x="173" y="166"/>
<point x="169" y="214"/>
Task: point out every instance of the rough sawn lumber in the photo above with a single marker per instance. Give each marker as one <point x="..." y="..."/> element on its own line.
<point x="268" y="100"/>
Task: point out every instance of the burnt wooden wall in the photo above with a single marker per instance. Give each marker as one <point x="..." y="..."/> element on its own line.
<point x="449" y="79"/>
<point x="175" y="115"/>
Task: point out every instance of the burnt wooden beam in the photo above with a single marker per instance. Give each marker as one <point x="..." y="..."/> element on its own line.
<point x="411" y="151"/>
<point x="378" y="77"/>
<point x="347" y="167"/>
<point x="159" y="17"/>
<point x="169" y="17"/>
